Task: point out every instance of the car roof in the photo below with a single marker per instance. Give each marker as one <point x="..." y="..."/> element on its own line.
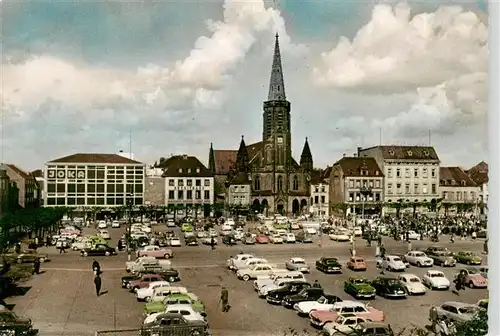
<point x="349" y="303"/>
<point x="408" y="275"/>
<point x="297" y="259"/>
<point x="179" y="306"/>
<point x="434" y="271"/>
<point x="458" y="304"/>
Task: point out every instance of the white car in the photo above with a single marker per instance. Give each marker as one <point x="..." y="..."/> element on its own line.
<point x="267" y="280"/>
<point x="435" y="279"/>
<point x="310" y="230"/>
<point x="146" y="229"/>
<point x="419" y="259"/>
<point x="326" y="302"/>
<point x="357" y="231"/>
<point x="160" y="293"/>
<point x="340" y="235"/>
<point x="393" y="263"/>
<point x="297" y="264"/>
<point x="175" y="242"/>
<point x="212" y="233"/>
<point x="238" y="260"/>
<point x="412" y="235"/>
<point x="289" y="238"/>
<point x="238" y="235"/>
<point x="188" y="234"/>
<point x="412" y="283"/>
<point x="104" y="234"/>
<point x="102" y="225"/>
<point x="115" y="224"/>
<point x="138" y="234"/>
<point x="344" y="323"/>
<point x="276" y="239"/>
<point x="144" y="294"/>
<point x="254" y="272"/>
<point x="170" y="223"/>
<point x="295" y="226"/>
<point x="201" y="234"/>
<point x="185" y="310"/>
<point x="249" y="263"/>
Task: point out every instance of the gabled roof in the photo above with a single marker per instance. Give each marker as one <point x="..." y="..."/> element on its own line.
<point x="185" y="166"/>
<point x="479" y="173"/>
<point x="359" y="166"/>
<point x="406" y="152"/>
<point x="455" y="177"/>
<point x="226" y="158"/>
<point x="239" y="179"/>
<point x="95" y="158"/>
<point x="18" y="171"/>
<point x="37" y="173"/>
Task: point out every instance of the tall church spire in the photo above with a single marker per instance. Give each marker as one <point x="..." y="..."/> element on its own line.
<point x="242" y="157"/>
<point x="211" y="159"/>
<point x="306" y="160"/>
<point x="277" y="84"/>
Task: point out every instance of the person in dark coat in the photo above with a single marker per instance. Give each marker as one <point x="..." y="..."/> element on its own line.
<point x="316" y="284"/>
<point x="36" y="266"/>
<point x="97" y="283"/>
<point x="224" y="298"/>
<point x="212" y="243"/>
<point x="119" y="245"/>
<point x="96" y="267"/>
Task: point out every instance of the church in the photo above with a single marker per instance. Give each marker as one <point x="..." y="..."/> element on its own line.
<point x="265" y="173"/>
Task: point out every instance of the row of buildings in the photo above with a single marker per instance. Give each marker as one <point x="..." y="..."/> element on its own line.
<point x="262" y="176"/>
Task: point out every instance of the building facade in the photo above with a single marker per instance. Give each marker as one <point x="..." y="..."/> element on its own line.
<point x="456" y="188"/>
<point x="356" y="186"/>
<point x="188" y="183"/>
<point x="4" y="190"/>
<point x="154" y="193"/>
<point x="94" y="180"/>
<point x="479" y="174"/>
<point x="28" y="189"/>
<point x="278" y="183"/>
<point x="320" y="192"/>
<point x="411" y="173"/>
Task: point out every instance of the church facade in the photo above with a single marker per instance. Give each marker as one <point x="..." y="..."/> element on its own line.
<point x="277" y="182"/>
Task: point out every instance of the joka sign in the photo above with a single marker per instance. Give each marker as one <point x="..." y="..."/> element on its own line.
<point x="62" y="174"/>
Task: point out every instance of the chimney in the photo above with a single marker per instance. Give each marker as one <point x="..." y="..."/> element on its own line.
<point x="184" y="156"/>
<point x="344" y="155"/>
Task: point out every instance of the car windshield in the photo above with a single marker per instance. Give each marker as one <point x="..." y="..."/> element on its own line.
<point x="330" y="261"/>
<point x="393" y="282"/>
<point x="467" y="310"/>
<point x="396" y="259"/>
<point x="414" y="280"/>
<point x="472" y="271"/>
<point x="437" y="275"/>
<point x="420" y="254"/>
<point x="359" y="281"/>
<point x="302" y="262"/>
<point x="468" y="254"/>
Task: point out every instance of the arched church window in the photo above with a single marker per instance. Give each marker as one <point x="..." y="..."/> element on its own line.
<point x="256" y="183"/>
<point x="295" y="183"/>
<point x="280" y="183"/>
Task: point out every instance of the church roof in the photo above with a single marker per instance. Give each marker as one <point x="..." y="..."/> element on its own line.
<point x="276" y="83"/>
<point x="226" y="158"/>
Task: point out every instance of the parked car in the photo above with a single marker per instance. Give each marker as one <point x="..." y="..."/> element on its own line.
<point x="297" y="264"/>
<point x="325" y="302"/>
<point x="303" y="237"/>
<point x="291" y="288"/>
<point x="319" y="318"/>
<point x="175" y="298"/>
<point x="467" y="257"/>
<point x="171" y="275"/>
<point x="185" y="310"/>
<point x="248" y="239"/>
<point x="356" y="264"/>
<point x="419" y="258"/>
<point x="340" y="235"/>
<point x="435" y="279"/>
<point x="277" y="284"/>
<point x="276" y="239"/>
<point x="412" y="235"/>
<point x="473" y="278"/>
<point x="360" y="288"/>
<point x="160" y="294"/>
<point x="306" y="294"/>
<point x="456" y="311"/>
<point x="229" y="239"/>
<point x="191" y="241"/>
<point x="155" y="251"/>
<point x="393" y="263"/>
<point x="144" y="264"/>
<point x="145" y="293"/>
<point x="11" y="324"/>
<point x="144" y="281"/>
<point x="234" y="262"/>
<point x="371" y="328"/>
<point x="344" y="323"/>
<point x="98" y="250"/>
<point x="273" y="278"/>
<point x="412" y="284"/>
<point x="328" y="265"/>
<point x="27" y="256"/>
<point x="262" y="239"/>
<point x="186" y="227"/>
<point x="483" y="270"/>
<point x="102" y="225"/>
<point x="255" y="271"/>
<point x="289" y="238"/>
<point x="174" y="242"/>
<point x="389" y="288"/>
<point x="443" y="258"/>
<point x="115" y="224"/>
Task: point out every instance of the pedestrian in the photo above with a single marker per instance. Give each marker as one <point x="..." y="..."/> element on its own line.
<point x="452" y="238"/>
<point x="485" y="246"/>
<point x="382" y="251"/>
<point x="36" y="266"/>
<point x="96" y="267"/>
<point x="433" y="318"/>
<point x="369" y="240"/>
<point x="119" y="245"/>
<point x="474" y="235"/>
<point x="97" y="283"/>
<point x="316" y="284"/>
<point x="212" y="243"/>
<point x="379" y="240"/>
<point x="224" y="299"/>
<point x="63" y="247"/>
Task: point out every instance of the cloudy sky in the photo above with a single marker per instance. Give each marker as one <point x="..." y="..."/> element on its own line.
<point x="77" y="77"/>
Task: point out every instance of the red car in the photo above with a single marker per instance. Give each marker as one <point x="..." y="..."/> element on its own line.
<point x="262" y="239"/>
<point x="144" y="281"/>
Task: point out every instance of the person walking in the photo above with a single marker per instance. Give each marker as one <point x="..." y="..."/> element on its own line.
<point x="212" y="243"/>
<point x="36" y="266"/>
<point x="119" y="245"/>
<point x="316" y="284"/>
<point x="97" y="283"/>
<point x="433" y="318"/>
<point x="224" y="299"/>
<point x="96" y="267"/>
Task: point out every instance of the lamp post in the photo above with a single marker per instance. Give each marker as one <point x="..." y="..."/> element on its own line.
<point x="129" y="226"/>
<point x="365" y="191"/>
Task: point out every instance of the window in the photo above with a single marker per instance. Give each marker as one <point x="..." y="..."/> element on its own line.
<point x="398" y="172"/>
<point x="180" y="194"/>
<point x="100" y="174"/>
<point x="415" y="172"/>
<point x="110" y="201"/>
<point x="119" y="188"/>
<point x="316" y="199"/>
<point x="91" y="188"/>
<point x="433" y="188"/>
<point x="138" y="201"/>
<point x="207" y="194"/>
<point x="358" y="183"/>
<point x="459" y="195"/>
<point x="180" y="183"/>
<point x="407" y="172"/>
<point x="171" y="182"/>
<point x="389" y="188"/>
<point x="415" y="188"/>
<point x="256" y="182"/>
<point x="407" y="188"/>
<point x="51" y="187"/>
<point x="91" y="174"/>
<point x="61" y="188"/>
<point x="351" y="183"/>
<point x="424" y="172"/>
<point x="424" y="188"/>
<point x="100" y="188"/>
<point x="100" y="200"/>
<point x="110" y="188"/>
<point x="180" y="170"/>
<point x="377" y="183"/>
<point x="433" y="172"/>
<point x="71" y="201"/>
<point x="189" y="170"/>
<point x="198" y="170"/>
<point x="130" y="189"/>
<point x="377" y="197"/>
<point x="189" y="194"/>
<point x="198" y="182"/>
<point x="80" y="201"/>
<point x="389" y="172"/>
<point x="198" y="194"/>
<point x="189" y="183"/>
<point x="207" y="183"/>
<point x="370" y="183"/>
<point x="351" y="197"/>
<point x="71" y="188"/>
<point x="171" y="194"/>
<point x="280" y="183"/>
<point x="322" y="199"/>
<point x="295" y="184"/>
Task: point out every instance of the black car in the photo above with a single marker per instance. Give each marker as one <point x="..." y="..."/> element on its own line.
<point x="307" y="294"/>
<point x="328" y="265"/>
<point x="98" y="250"/>
<point x="162" y="322"/>
<point x="191" y="241"/>
<point x="170" y="275"/>
<point x="390" y="288"/>
<point x="10" y="324"/>
<point x="142" y="241"/>
<point x="229" y="240"/>
<point x="294" y="287"/>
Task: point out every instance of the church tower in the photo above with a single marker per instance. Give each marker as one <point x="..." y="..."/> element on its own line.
<point x="242" y="159"/>
<point x="276" y="126"/>
<point x="306" y="159"/>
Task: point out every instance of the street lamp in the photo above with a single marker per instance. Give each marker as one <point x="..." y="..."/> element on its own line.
<point x="129" y="226"/>
<point x="365" y="191"/>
